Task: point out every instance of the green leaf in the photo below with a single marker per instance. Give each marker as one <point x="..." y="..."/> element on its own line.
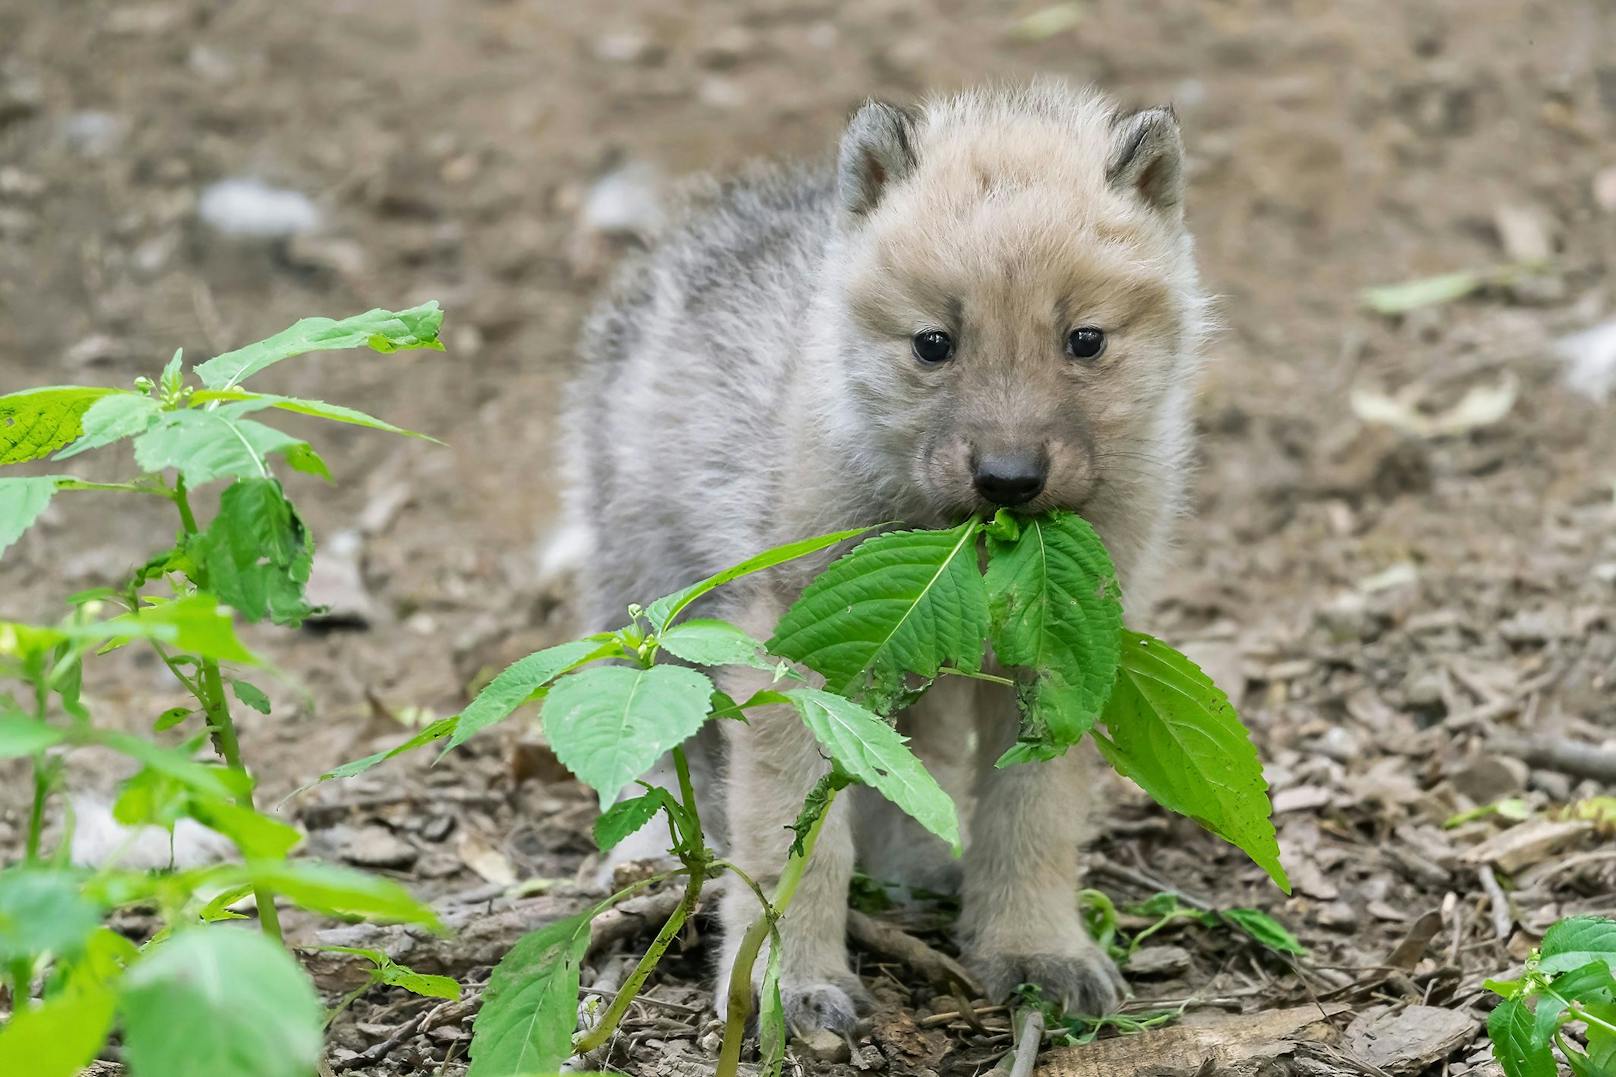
<point x="60" y="1037"/>
<point x="662" y="612"/>
<point x="869" y="749"/>
<point x="382" y="330"/>
<point x="443" y="727"/>
<point x="1423" y="292"/>
<point x="771" y="1016"/>
<point x="335" y="891"/>
<point x="708" y="642"/>
<point x="319" y="409"/>
<point x="213" y="781"/>
<point x="251" y="695"/>
<point x="1510" y="1026"/>
<point x="531" y="1004"/>
<point x="36" y="422"/>
<point x="112" y="418"/>
<point x="21" y="735"/>
<point x="1265" y="929"/>
<point x="1057" y="613"/>
<point x="517" y="682"/>
<point x="1174" y="733"/>
<point x="220" y="1000"/>
<point x="171" y="718"/>
<point x="195" y="624"/>
<point x="1574" y="942"/>
<point x="304" y="459"/>
<point x="154" y="797"/>
<point x="42" y="911"/>
<point x="627" y="816"/>
<point x="419" y="983"/>
<point x="207" y="445"/>
<point x="257" y="554"/>
<point x="21" y="502"/>
<point x="902" y="602"/>
<point x="608" y="725"/>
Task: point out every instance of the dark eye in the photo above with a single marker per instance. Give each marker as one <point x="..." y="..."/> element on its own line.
<point x="934" y="346"/>
<point x="1085" y="342"/>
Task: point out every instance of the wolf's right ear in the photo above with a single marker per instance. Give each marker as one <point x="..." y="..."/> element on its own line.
<point x="1147" y="158"/>
<point x="877" y="149"/>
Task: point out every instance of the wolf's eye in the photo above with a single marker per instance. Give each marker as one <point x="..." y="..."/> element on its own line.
<point x="933" y="346"/>
<point x="1085" y="342"/>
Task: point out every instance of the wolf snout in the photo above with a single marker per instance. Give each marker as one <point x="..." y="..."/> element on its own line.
<point x="1010" y="479"/>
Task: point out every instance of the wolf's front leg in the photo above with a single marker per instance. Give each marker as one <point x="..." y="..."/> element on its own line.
<point x="773" y="761"/>
<point x="1020" y="921"/>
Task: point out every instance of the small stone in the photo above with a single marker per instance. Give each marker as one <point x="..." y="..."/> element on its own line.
<point x="1605" y="189"/>
<point x="369" y="846"/>
<point x="869" y="1059"/>
<point x="1158" y="962"/>
<point x="250" y="208"/>
<point x="823" y="1045"/>
<point x="1424" y="690"/>
<point x="1487" y="779"/>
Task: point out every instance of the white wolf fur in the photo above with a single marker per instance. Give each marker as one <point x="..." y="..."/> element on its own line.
<point x="750" y="381"/>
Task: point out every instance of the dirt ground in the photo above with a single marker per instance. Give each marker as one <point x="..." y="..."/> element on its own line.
<point x="1395" y="606"/>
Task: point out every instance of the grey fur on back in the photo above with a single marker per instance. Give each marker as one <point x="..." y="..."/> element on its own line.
<point x="674" y="422"/>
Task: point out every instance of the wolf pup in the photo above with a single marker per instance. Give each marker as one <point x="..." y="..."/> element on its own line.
<point x="991" y="300"/>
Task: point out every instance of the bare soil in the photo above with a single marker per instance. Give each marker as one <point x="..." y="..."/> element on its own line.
<point x="1390" y="608"/>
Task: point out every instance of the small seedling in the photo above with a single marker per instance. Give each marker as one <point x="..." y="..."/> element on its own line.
<point x="197" y="1000"/>
<point x="1569" y="983"/>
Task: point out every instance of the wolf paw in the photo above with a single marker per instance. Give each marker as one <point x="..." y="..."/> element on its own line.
<point x="1086" y="982"/>
<point x="810" y="1006"/>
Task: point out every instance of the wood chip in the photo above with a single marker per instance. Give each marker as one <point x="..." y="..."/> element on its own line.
<point x="1235" y="1043"/>
<point x="1527" y="843"/>
<point x="1409" y="1040"/>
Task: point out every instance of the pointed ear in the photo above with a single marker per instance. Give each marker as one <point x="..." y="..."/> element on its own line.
<point x="1147" y="159"/>
<point x="877" y="149"/>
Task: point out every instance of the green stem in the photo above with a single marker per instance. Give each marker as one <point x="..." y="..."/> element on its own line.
<point x="740" y="976"/>
<point x="36" y="813"/>
<point x="693" y="852"/>
<point x="991" y="678"/>
<point x="631" y="987"/>
<point x="217" y="706"/>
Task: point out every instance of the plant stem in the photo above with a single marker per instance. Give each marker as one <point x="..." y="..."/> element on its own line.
<point x="217" y="706"/>
<point x="991" y="678"/>
<point x="740" y="975"/>
<point x="36" y="813"/>
<point x="631" y="987"/>
<point x="697" y="861"/>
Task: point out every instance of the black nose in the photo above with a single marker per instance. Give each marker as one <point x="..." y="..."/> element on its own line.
<point x="1010" y="479"/>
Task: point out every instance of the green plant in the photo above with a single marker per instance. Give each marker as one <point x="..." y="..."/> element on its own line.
<point x="1570" y="980"/>
<point x="198" y="998"/>
<point x="879" y="624"/>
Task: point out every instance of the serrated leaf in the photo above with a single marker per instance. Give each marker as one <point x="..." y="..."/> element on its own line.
<point x="1175" y="734"/>
<point x="257" y="553"/>
<point x="319" y="409"/>
<point x="517" y="682"/>
<point x="43" y="911"/>
<point x="329" y="889"/>
<point x="662" y="612"/>
<point x="443" y="727"/>
<point x="865" y="746"/>
<point x="249" y="1009"/>
<point x="381" y="330"/>
<point x="531" y="1004"/>
<point x="1510" y="1027"/>
<point x="36" y="422"/>
<point x="1265" y="929"/>
<point x="61" y="1036"/>
<point x="1577" y="940"/>
<point x="709" y="642"/>
<point x="1056" y="613"/>
<point x="207" y="445"/>
<point x="22" y="735"/>
<point x="626" y="817"/>
<point x="252" y="695"/>
<point x="196" y="624"/>
<point x="112" y="418"/>
<point x="906" y="602"/>
<point x="21" y="502"/>
<point x="610" y="724"/>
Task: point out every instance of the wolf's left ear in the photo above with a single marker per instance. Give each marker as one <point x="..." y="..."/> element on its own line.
<point x="877" y="149"/>
<point x="1147" y="158"/>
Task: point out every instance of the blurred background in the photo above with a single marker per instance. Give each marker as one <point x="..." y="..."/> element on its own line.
<point x="1403" y="547"/>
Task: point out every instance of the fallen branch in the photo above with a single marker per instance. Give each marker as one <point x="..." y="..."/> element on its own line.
<point x="1576" y="758"/>
<point x="885" y="940"/>
<point x="1027" y="1044"/>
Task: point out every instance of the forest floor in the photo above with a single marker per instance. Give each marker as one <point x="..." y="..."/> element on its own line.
<point x="1401" y="558"/>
